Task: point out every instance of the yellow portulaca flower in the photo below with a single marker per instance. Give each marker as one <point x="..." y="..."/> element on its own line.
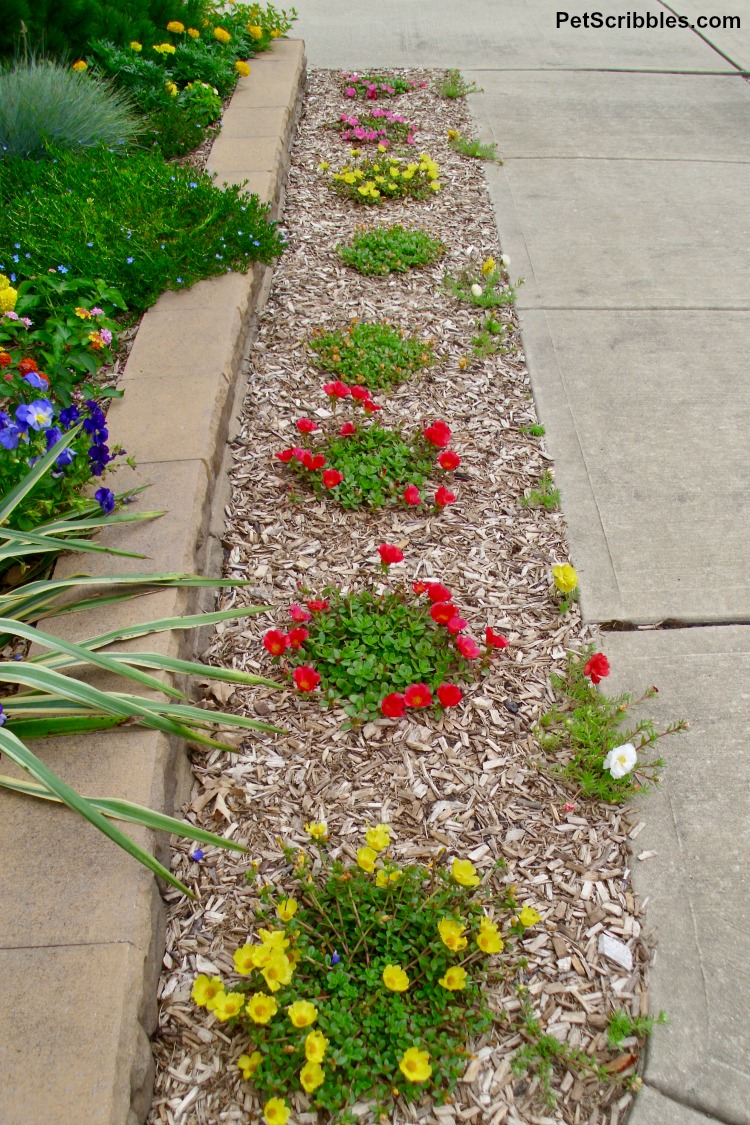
<point x="194" y="33"/>
<point x="176" y="27"/>
<point x="229" y="1004"/>
<point x="275" y="33"/>
<point x="488" y="265"/>
<point x="135" y="45"/>
<point x="255" y="31"/>
<point x="415" y="1065"/>
<point x="8" y="298"/>
<point x="302" y="1013"/>
<point x="242" y="68"/>
<point x="277" y="971"/>
<point x="80" y="65"/>
<point x="316" y="1046"/>
<point x="276" y="939"/>
<point x="366" y="856"/>
<point x="395" y="978"/>
<point x="317" y="830"/>
<point x="381" y="879"/>
<point x="565" y="578"/>
<point x="244" y="960"/>
<point x="205" y="991"/>
<point x="261" y="1007"/>
<point x="465" y="873"/>
<point x="311" y="1076"/>
<point x="323" y="166"/>
<point x="451" y="934"/>
<point x="488" y="938"/>
<point x="222" y="35"/>
<point x="435" y="185"/>
<point x="276" y="1112"/>
<point x="248" y="1064"/>
<point x="378" y="837"/>
<point x="453" y="134"/>
<point x="454" y="978"/>
<point x="382" y="148"/>
<point x="286" y="909"/>
<point x="528" y="916"/>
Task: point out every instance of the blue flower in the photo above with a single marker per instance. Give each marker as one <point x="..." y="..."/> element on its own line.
<point x="15" y="257"/>
<point x="69" y="416"/>
<point x="335" y="958"/>
<point x="52" y="436"/>
<point x="89" y="244"/>
<point x="192" y="184"/>
<point x="66" y="458"/>
<point x="3" y="716"/>
<point x="35" y="380"/>
<point x="106" y="500"/>
<point x="99" y="458"/>
<point x="197" y="855"/>
<point x="9" y="437"/>
<point x="180" y="281"/>
<point x="130" y="261"/>
<point x="62" y="269"/>
<point x="38" y="414"/>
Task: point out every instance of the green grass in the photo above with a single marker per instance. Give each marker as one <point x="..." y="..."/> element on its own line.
<point x="454" y="85"/>
<point x="477" y="150"/>
<point x="534" y="429"/>
<point x="545" y="495"/>
<point x="623" y="1026"/>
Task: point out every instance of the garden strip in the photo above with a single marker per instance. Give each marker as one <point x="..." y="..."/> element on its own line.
<point x="468" y="780"/>
<point x="86" y="920"/>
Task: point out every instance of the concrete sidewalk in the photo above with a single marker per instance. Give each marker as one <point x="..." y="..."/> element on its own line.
<point x="624" y="202"/>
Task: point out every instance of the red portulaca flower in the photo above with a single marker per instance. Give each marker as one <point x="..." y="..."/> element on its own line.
<point x="389" y="554"/>
<point x="455" y="625"/>
<point x="449" y="695"/>
<point x="361" y="394"/>
<point x="494" y="640"/>
<point x="348" y="429"/>
<point x="442" y="612"/>
<point x="297" y="637"/>
<point x="467" y="647"/>
<point x="443" y="497"/>
<point x="436" y="592"/>
<point x="306" y="425"/>
<point x="418" y="695"/>
<point x="419" y="587"/>
<point x="393" y="706"/>
<point x="372" y="407"/>
<point x="337" y="389"/>
<point x="411" y="496"/>
<point x="449" y="460"/>
<point x="312" y="462"/>
<point x="306" y="678"/>
<point x="332" y="477"/>
<point x="439" y="434"/>
<point x="297" y="613"/>
<point x="275" y="642"/>
<point x="597" y="667"/>
<point x="284" y="456"/>
<point x="317" y="606"/>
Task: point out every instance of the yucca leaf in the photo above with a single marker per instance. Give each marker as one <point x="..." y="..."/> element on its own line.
<point x="24" y="758"/>
<point x="189" y="621"/>
<point x="164" y="664"/>
<point x="59" y="726"/>
<point x="32" y="543"/>
<point x="205" y="718"/>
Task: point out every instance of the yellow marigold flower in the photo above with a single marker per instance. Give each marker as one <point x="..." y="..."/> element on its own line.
<point x="194" y="33"/>
<point x="311" y="1076"/>
<point x="286" y="909"/>
<point x="244" y="960"/>
<point x="4" y="283"/>
<point x="395" y="978"/>
<point x="135" y="45"/>
<point x="415" y="1065"/>
<point x="302" y="1013"/>
<point x="317" y="830"/>
<point x="261" y="1007"/>
<point x="454" y="978"/>
<point x="378" y="837"/>
<point x="277" y="939"/>
<point x="164" y="48"/>
<point x="277" y="971"/>
<point x="451" y="934"/>
<point x="248" y="1064"/>
<point x="528" y="916"/>
<point x="255" y="31"/>
<point x="488" y="265"/>
<point x="176" y="27"/>
<point x="205" y="990"/>
<point x="171" y="89"/>
<point x="222" y="34"/>
<point x="488" y="938"/>
<point x="242" y="68"/>
<point x="229" y="1004"/>
<point x="366" y="856"/>
<point x="80" y="65"/>
<point x="565" y="578"/>
<point x="316" y="1046"/>
<point x="464" y="872"/>
<point x="294" y="957"/>
<point x="276" y="1112"/>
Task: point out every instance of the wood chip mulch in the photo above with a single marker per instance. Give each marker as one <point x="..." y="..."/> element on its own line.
<point x="470" y="781"/>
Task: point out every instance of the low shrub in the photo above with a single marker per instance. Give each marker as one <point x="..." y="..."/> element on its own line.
<point x="380" y="250"/>
<point x="371" y="181"/>
<point x="371" y="354"/>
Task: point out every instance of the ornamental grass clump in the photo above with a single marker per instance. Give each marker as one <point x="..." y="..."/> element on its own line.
<point x="371" y="354"/>
<point x="374" y="86"/>
<point x="486" y="286"/>
<point x="366" y="982"/>
<point x="584" y="731"/>
<point x="376" y="251"/>
<point x="379" y="126"/>
<point x="379" y="651"/>
<point x="373" y="180"/>
<point x="364" y="465"/>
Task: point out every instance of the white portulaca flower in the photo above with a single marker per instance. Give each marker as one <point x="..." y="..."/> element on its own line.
<point x="621" y="760"/>
<point x="505" y="260"/>
<point x="477" y="290"/>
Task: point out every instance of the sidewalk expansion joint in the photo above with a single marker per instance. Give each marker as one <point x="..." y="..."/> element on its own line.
<point x="738" y="73"/>
<point x="697" y="31"/>
<point x="707" y="1113"/>
<point x="618" y="626"/>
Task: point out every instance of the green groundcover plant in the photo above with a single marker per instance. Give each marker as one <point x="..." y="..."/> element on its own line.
<point x="373" y="180"/>
<point x="376" y="651"/>
<point x="486" y="286"/>
<point x="138" y="223"/>
<point x="375" y="251"/>
<point x="371" y="354"/>
<point x="379" y="126"/>
<point x="453" y="85"/>
<point x="373" y="86"/>
<point x="366" y="465"/>
<point x="369" y="983"/>
<point x="584" y="731"/>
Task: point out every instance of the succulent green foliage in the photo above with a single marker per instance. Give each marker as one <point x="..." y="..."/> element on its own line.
<point x="382" y="250"/>
<point x="373" y="354"/>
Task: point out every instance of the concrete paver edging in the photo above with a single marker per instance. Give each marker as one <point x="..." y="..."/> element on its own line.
<point x="82" y="929"/>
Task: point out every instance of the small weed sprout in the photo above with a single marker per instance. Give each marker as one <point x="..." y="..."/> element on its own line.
<point x="487" y="285"/>
<point x="472" y="147"/>
<point x="454" y="85"/>
<point x="491" y="338"/>
<point x="623" y="1026"/>
<point x="534" y="429"/>
<point x="545" y="495"/>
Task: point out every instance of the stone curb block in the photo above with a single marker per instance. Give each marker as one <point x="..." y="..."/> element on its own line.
<point x="81" y="948"/>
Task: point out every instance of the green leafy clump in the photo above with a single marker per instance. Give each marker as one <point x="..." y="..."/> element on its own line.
<point x="45" y="104"/>
<point x="381" y="250"/>
<point x="491" y="338"/>
<point x="371" y="354"/>
<point x="486" y="286"/>
<point x="623" y="1026"/>
<point x="477" y="150"/>
<point x="140" y="224"/>
<point x="373" y="180"/>
<point x="374" y="86"/>
<point x="534" y="429"/>
<point x="453" y="85"/>
<point x="585" y="725"/>
<point x="358" y="997"/>
<point x="546" y="495"/>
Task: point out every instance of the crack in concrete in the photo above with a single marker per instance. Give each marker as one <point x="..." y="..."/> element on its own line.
<point x="707" y="1113"/>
